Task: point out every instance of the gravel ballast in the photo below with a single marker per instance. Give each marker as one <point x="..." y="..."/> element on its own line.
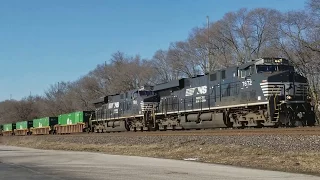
<point x="297" y="143"/>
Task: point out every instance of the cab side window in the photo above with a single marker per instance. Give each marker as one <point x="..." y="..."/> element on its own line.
<point x="248" y="71"/>
<point x="223" y="74"/>
<point x="213" y="77"/>
<point x="243" y="73"/>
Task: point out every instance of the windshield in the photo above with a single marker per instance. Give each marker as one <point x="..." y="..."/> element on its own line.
<point x="285" y="68"/>
<point x="145" y="93"/>
<point x="272" y="68"/>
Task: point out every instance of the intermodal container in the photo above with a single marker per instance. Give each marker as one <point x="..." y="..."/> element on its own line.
<point x="9" y="127"/>
<point x="74" y="118"/>
<point x="24" y="125"/>
<point x="45" y="122"/>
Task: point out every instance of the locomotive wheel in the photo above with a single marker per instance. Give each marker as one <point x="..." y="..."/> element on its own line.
<point x="127" y="126"/>
<point x="173" y="128"/>
<point x="259" y="124"/>
<point x="277" y="124"/>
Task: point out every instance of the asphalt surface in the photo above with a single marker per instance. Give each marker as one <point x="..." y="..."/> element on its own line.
<point x="24" y="163"/>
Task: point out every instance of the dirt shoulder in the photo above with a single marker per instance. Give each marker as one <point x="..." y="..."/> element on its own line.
<point x="298" y="154"/>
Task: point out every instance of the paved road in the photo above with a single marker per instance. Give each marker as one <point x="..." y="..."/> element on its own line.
<point x="26" y="164"/>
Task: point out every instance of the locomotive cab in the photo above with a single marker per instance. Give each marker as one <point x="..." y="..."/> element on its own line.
<point x="146" y="98"/>
<point x="277" y="77"/>
<point x="281" y="79"/>
<point x="285" y="89"/>
<point x="267" y="67"/>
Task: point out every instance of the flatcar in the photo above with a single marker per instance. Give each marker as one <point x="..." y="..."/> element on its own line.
<point x="8" y="129"/>
<point x="44" y="126"/>
<point x="261" y="93"/>
<point x="23" y="128"/>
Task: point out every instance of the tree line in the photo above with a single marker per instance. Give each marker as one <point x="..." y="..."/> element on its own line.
<point x="236" y="38"/>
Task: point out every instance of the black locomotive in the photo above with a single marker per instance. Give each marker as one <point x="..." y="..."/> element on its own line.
<point x="263" y="92"/>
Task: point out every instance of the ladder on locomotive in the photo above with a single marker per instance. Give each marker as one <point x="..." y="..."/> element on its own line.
<point x="276" y="102"/>
<point x="149" y="117"/>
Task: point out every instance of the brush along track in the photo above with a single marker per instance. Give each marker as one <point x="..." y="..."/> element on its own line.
<point x="215" y="132"/>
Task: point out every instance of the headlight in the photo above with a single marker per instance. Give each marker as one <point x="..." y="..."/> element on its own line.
<point x="289" y="97"/>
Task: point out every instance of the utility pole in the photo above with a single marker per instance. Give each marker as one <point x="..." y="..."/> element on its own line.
<point x="58" y="89"/>
<point x="209" y="53"/>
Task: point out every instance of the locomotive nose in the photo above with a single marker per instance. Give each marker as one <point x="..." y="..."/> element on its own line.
<point x="290" y="85"/>
<point x="287" y="77"/>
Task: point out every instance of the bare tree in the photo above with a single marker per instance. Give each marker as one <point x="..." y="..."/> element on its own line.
<point x="238" y="37"/>
<point x="300" y="42"/>
<point x="7" y="111"/>
<point x="314" y="6"/>
<point x="248" y="33"/>
<point x="25" y="109"/>
<point x="179" y="54"/>
<point x="56" y="101"/>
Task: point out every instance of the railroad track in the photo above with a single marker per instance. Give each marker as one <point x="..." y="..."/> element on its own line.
<point x="215" y="132"/>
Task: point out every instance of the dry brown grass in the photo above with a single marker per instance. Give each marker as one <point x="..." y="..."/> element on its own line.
<point x="261" y="158"/>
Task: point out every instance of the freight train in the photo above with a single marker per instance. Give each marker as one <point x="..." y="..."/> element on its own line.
<point x="265" y="92"/>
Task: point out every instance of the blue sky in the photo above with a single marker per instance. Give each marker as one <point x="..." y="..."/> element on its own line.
<point x="43" y="42"/>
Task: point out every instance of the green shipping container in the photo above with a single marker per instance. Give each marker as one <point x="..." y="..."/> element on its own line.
<point x="24" y="125"/>
<point x="9" y="127"/>
<point x="45" y="122"/>
<point x="74" y="118"/>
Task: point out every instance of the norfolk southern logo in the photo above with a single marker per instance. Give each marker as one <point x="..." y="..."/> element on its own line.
<point x="114" y="105"/>
<point x="196" y="91"/>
